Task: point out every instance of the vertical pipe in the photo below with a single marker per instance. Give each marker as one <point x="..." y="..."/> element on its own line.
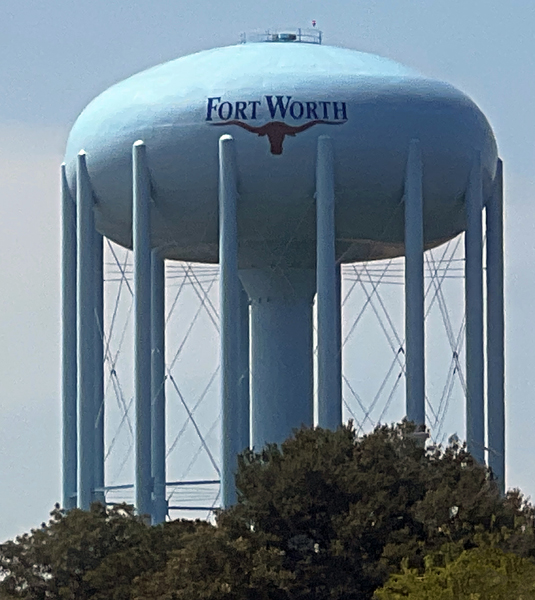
<point x="338" y="307"/>
<point x="282" y="359"/>
<point x="142" y="334"/>
<point x="244" y="382"/>
<point x="414" y="288"/>
<point x="230" y="310"/>
<point x="99" y="369"/>
<point x="68" y="344"/>
<point x="329" y="400"/>
<point x="85" y="333"/>
<point x="158" y="386"/>
<point x="495" y="332"/>
<point x="475" y="408"/>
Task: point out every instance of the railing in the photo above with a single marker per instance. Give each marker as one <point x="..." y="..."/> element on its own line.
<point x="197" y="496"/>
<point x="299" y="35"/>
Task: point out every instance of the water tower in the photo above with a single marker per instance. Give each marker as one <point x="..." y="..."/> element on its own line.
<point x="280" y="159"/>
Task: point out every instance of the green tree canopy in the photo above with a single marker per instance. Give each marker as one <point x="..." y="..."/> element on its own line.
<point x="217" y="566"/>
<point x="345" y="511"/>
<point x="325" y="515"/>
<point x="479" y="574"/>
<point x="87" y="554"/>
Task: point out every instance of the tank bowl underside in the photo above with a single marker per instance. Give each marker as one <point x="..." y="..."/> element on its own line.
<point x="287" y="253"/>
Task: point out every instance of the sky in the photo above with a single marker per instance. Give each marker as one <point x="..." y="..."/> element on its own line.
<point x="57" y="56"/>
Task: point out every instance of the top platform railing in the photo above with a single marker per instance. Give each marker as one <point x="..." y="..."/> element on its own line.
<point x="299" y="35"/>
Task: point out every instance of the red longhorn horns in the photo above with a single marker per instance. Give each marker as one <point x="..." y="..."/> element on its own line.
<point x="276" y="131"/>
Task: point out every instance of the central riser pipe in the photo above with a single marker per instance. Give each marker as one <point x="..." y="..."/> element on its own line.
<point x="281" y="352"/>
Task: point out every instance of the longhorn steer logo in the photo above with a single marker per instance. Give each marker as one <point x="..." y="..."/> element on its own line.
<point x="276" y="131"/>
<point x="277" y="110"/>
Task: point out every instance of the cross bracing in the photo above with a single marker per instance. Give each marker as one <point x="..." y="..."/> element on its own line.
<point x="373" y="364"/>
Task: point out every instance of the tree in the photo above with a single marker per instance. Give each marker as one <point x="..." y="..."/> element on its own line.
<point x="331" y="515"/>
<point x="87" y="554"/>
<point x="479" y="574"/>
<point x="344" y="512"/>
<point x="217" y="566"/>
<point x="326" y="515"/>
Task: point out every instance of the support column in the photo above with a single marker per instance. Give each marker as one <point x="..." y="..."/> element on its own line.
<point x="99" y="370"/>
<point x="282" y="383"/>
<point x="158" y="387"/>
<point x="230" y="290"/>
<point x="339" y="334"/>
<point x="68" y="344"/>
<point x="85" y="334"/>
<point x="329" y="397"/>
<point x="414" y="288"/>
<point x="495" y="333"/>
<point x="244" y="381"/>
<point x="475" y="409"/>
<point x="142" y="333"/>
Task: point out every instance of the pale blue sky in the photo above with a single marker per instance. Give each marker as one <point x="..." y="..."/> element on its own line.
<point x="57" y="55"/>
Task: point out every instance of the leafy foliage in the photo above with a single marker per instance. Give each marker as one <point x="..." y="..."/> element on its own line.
<point x="216" y="566"/>
<point x="345" y="512"/>
<point x="478" y="574"/>
<point x="94" y="554"/>
<point x="326" y="515"/>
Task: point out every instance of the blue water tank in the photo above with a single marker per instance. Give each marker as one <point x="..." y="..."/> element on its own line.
<point x="276" y="99"/>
